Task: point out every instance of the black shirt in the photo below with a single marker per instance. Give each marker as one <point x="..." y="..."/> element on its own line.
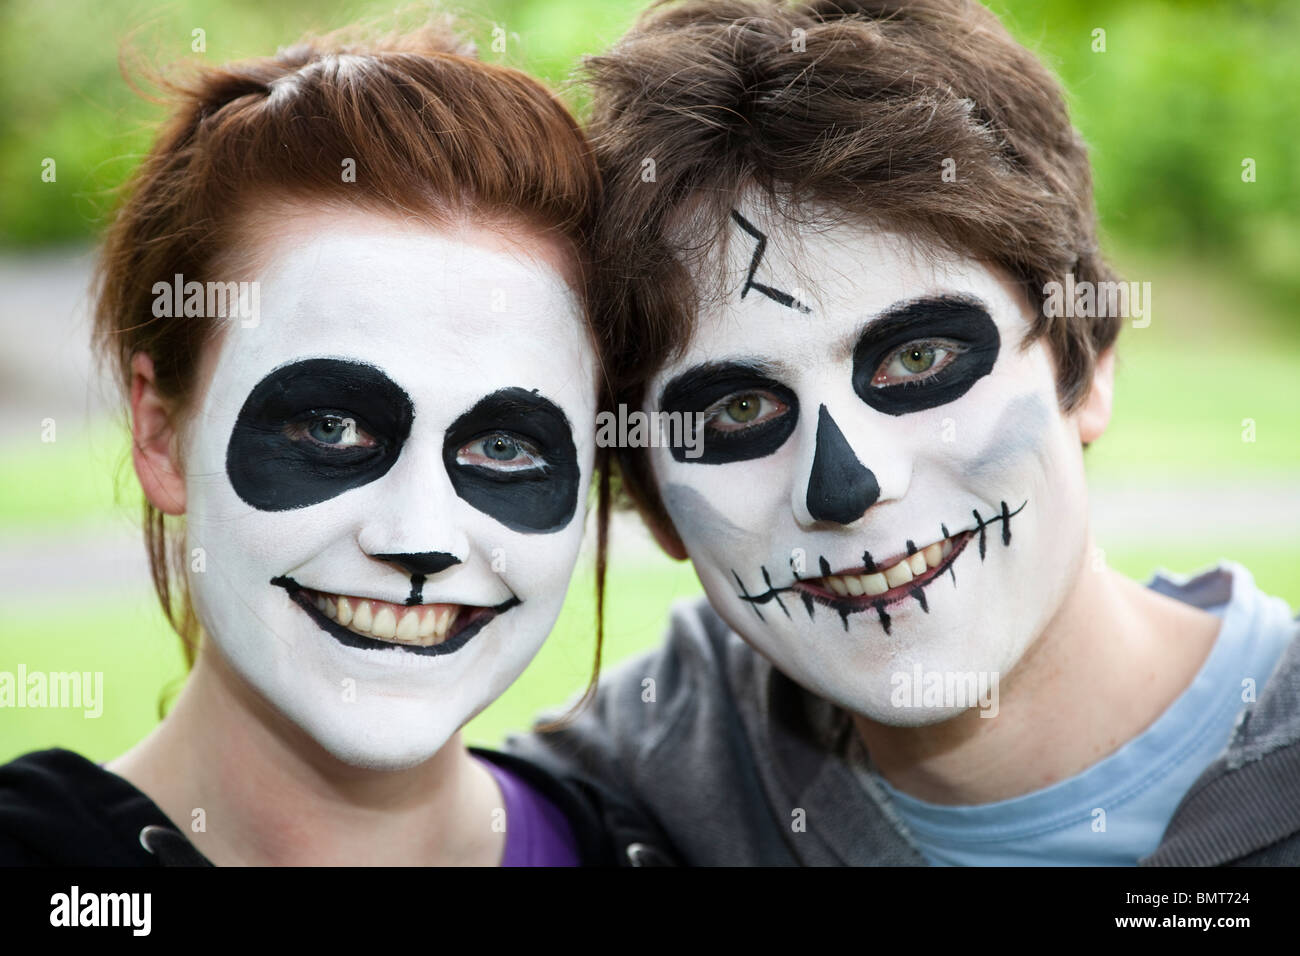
<point x="59" y="809"/>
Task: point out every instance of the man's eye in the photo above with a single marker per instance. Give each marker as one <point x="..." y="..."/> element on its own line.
<point x="914" y="362"/>
<point x="737" y="412"/>
<point x="501" y="451"/>
<point x="332" y="431"/>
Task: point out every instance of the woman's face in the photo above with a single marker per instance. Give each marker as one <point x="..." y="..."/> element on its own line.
<point x="385" y="479"/>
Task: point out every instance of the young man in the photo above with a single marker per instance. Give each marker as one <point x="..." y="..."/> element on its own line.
<point x="833" y="232"/>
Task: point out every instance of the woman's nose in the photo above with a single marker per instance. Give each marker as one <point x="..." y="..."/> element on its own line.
<point x="423" y="563"/>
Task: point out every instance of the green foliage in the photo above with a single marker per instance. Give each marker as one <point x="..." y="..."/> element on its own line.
<point x="1182" y="94"/>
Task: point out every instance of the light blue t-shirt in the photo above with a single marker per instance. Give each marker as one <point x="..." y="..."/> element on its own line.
<point x="1140" y="785"/>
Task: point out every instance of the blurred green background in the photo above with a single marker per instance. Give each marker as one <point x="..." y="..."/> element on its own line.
<point x="1202" y="461"/>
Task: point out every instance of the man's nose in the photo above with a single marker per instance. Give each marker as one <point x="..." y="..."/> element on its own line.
<point x="840" y="488"/>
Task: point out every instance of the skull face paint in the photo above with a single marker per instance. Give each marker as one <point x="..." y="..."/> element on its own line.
<point x="886" y="480"/>
<point x="385" y="475"/>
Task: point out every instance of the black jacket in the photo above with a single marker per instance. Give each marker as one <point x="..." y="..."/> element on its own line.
<point x="59" y="809"/>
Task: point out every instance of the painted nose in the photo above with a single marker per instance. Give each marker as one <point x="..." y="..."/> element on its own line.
<point x="840" y="488"/>
<point x="422" y="563"/>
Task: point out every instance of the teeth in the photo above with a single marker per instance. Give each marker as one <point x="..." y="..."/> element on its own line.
<point x="446" y="621"/>
<point x="874" y="584"/>
<point x="385" y="625"/>
<point x="899" y="574"/>
<point x="408" y="631"/>
<point x="362" y="620"/>
<point x="428" y="625"/>
<point x="905" y="571"/>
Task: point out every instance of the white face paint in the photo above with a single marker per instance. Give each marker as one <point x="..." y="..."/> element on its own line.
<point x="434" y="450"/>
<point x="864" y="402"/>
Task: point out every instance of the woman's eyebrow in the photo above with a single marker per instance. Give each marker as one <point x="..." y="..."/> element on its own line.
<point x="910" y="311"/>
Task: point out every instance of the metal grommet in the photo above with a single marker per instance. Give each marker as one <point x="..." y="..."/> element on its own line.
<point x="145" y="833"/>
<point x="643" y="854"/>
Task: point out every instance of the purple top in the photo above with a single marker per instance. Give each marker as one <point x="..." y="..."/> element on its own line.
<point x="537" y="833"/>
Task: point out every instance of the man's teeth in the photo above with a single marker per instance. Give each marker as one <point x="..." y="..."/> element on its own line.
<point x="422" y="624"/>
<point x="870" y="585"/>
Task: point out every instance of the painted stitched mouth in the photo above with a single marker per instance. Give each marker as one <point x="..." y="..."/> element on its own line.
<point x="860" y="588"/>
<point x="868" y="587"/>
<point x="426" y="629"/>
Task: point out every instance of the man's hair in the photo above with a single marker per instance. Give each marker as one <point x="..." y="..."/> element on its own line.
<point x="851" y="106"/>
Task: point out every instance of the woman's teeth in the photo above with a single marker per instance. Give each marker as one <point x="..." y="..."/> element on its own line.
<point x="421" y="624"/>
<point x="870" y="585"/>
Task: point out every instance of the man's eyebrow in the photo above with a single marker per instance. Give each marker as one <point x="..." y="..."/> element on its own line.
<point x="709" y="373"/>
<point x="907" y="311"/>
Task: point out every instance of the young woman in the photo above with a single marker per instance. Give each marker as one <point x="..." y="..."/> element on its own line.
<point x="346" y="299"/>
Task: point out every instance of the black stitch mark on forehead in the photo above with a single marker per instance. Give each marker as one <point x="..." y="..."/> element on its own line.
<point x="760" y="246"/>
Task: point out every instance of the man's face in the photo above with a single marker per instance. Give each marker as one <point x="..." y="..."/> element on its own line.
<point x="887" y="481"/>
<point x="385" y="476"/>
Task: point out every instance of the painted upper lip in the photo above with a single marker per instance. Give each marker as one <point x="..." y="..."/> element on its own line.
<point x="882" y="564"/>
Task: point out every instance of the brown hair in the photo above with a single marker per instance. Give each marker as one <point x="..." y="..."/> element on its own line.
<point x="853" y="106"/>
<point x="432" y="131"/>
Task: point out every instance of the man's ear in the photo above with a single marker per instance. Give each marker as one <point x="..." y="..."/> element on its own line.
<point x="154" y="441"/>
<point x="1093" y="415"/>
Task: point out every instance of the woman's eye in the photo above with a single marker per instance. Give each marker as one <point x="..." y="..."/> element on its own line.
<point x="333" y="431"/>
<point x="501" y="451"/>
<point x="914" y="362"/>
<point x="737" y="412"/>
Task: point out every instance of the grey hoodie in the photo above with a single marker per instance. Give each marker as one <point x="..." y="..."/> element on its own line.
<point x="735" y="764"/>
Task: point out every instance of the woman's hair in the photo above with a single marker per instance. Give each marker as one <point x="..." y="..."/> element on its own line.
<point x="409" y="124"/>
<point x="858" y="107"/>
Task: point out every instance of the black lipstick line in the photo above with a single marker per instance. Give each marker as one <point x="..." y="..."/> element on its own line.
<point x="417" y="590"/>
<point x="773" y="591"/>
<point x="752" y="600"/>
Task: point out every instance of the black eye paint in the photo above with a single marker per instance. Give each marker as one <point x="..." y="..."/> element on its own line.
<point x="964" y="322"/>
<point x="272" y="471"/>
<point x="698" y="389"/>
<point x="533" y="500"/>
<point x="840" y="488"/>
<point x="760" y="246"/>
